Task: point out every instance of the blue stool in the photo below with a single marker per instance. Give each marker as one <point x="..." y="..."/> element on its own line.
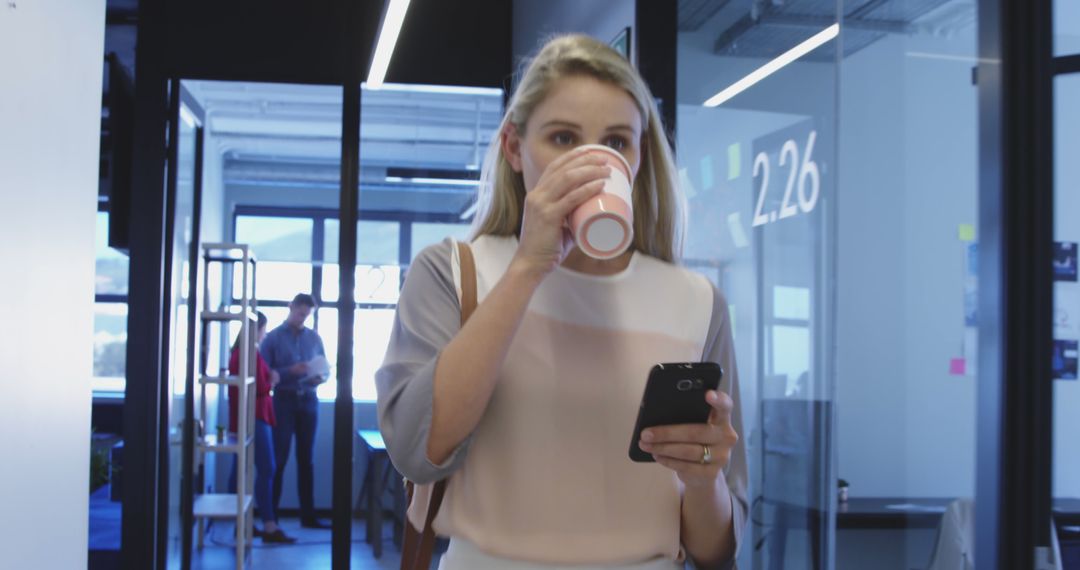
<point x="379" y="472"/>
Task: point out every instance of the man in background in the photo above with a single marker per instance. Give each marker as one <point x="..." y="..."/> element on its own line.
<point x="294" y="352"/>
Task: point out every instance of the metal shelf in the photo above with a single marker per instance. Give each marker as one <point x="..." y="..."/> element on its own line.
<point x="210" y="444"/>
<point x="220" y="505"/>
<point x="237" y="505"/>
<point x="228" y="380"/>
<point x="228" y="315"/>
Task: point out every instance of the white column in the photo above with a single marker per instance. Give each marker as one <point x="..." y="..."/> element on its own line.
<point x="50" y="116"/>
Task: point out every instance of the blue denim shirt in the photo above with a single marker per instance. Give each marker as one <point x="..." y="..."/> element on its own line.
<point x="284" y="346"/>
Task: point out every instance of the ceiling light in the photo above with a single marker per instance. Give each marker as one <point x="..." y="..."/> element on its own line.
<point x="434" y="181"/>
<point x="816" y="41"/>
<point x="388" y="36"/>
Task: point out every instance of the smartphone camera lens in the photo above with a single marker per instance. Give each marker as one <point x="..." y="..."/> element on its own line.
<point x="684" y="385"/>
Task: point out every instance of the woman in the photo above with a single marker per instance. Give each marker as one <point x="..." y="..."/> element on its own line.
<point x="529" y="407"/>
<point x="265" y="380"/>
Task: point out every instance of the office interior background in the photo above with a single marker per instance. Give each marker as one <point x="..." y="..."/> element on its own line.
<point x="892" y="215"/>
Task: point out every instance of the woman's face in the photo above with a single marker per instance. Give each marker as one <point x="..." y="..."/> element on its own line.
<point x="578" y="110"/>
<point x="260" y="335"/>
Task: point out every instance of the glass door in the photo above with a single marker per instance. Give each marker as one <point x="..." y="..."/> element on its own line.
<point x="182" y="260"/>
<point x="757" y="150"/>
<point x="829" y="151"/>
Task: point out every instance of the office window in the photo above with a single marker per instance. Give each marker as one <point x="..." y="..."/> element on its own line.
<point x="371" y="337"/>
<point x="377" y="242"/>
<point x="791" y="303"/>
<point x="426" y="233"/>
<point x="378" y="271"/>
<point x="110" y="345"/>
<point x="300" y="254"/>
<point x="374" y="283"/>
<point x="276" y="238"/>
<point x="791" y="358"/>
<point x="111" y="275"/>
<point x="276" y="280"/>
<point x="110" y="311"/>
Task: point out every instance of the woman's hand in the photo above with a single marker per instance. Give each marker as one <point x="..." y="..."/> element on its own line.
<point x="698" y="453"/>
<point x="274" y="378"/>
<point x="565" y="184"/>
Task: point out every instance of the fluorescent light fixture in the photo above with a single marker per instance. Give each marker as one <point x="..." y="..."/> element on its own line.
<point x="948" y="57"/>
<point x="440" y="89"/>
<point x="434" y="181"/>
<point x="188" y="117"/>
<point x="816" y="41"/>
<point x="470" y="211"/>
<point x="445" y="181"/>
<point x="388" y="35"/>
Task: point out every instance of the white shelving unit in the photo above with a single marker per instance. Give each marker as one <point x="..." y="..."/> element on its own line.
<point x="238" y="263"/>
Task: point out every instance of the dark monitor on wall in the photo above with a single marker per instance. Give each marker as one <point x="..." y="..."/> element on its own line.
<point x="120" y="101"/>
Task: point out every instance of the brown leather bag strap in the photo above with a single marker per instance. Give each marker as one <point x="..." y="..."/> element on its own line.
<point x="419" y="546"/>
<point x="468" y="281"/>
<point x="426" y="549"/>
<point x="411" y="542"/>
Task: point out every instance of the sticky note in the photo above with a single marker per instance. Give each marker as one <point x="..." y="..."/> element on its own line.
<point x="734" y="161"/>
<point x="956" y="366"/>
<point x="967" y="232"/>
<point x="738" y="234"/>
<point x="706" y="173"/>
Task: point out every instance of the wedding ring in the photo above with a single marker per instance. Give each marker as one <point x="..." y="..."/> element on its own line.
<point x="706" y="455"/>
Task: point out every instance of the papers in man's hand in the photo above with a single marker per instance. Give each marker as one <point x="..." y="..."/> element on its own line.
<point x="318" y="370"/>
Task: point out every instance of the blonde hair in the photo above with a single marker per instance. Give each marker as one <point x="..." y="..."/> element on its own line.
<point x="658" y="210"/>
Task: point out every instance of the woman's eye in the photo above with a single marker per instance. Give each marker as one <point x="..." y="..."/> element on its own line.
<point x="562" y="138"/>
<point x="617" y="143"/>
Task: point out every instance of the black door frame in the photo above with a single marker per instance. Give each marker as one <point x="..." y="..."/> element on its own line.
<point x="1016" y="191"/>
<point x="187" y="469"/>
<point x="141" y="545"/>
<point x="144" y="525"/>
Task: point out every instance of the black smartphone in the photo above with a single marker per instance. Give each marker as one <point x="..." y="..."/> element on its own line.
<point x="674" y="394"/>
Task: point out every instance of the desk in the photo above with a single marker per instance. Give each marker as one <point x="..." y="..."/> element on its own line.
<point x="877" y="513"/>
<point x="379" y="471"/>
<point x="868" y="513"/>
<point x="874" y="512"/>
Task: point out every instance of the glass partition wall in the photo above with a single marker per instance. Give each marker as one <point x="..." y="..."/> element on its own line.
<point x="271" y="180"/>
<point x="829" y="153"/>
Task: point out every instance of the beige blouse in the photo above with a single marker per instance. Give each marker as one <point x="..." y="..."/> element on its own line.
<point x="545" y="477"/>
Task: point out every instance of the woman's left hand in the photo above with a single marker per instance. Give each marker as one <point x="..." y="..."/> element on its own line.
<point x="698" y="453"/>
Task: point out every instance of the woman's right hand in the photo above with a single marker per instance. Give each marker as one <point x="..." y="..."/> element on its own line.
<point x="566" y="183"/>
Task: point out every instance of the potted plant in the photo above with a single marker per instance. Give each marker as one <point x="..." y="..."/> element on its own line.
<point x="99" y="468"/>
<point x="221" y="435"/>
<point x="842" y="490"/>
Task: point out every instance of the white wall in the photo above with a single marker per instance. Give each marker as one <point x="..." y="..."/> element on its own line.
<point x="941" y="192"/>
<point x="908" y="180"/>
<point x="871" y="386"/>
<point x="1067" y="228"/>
<point x="50" y="109"/>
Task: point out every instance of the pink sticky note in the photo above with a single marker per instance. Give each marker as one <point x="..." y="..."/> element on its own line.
<point x="957" y="366"/>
